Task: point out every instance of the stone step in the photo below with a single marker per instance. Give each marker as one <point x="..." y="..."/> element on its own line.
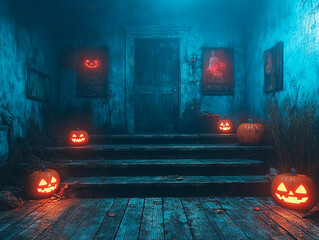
<point x="156" y="167"/>
<point x="166" y="186"/>
<point x="160" y="151"/>
<point x="161" y="139"/>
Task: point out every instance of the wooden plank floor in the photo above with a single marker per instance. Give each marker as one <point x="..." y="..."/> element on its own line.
<point x="156" y="218"/>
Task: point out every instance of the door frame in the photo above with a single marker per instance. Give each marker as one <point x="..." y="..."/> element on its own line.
<point x="131" y="33"/>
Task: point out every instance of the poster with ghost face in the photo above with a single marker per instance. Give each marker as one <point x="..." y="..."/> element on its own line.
<point x="273" y="68"/>
<point x="92" y="66"/>
<point x="217" y="71"/>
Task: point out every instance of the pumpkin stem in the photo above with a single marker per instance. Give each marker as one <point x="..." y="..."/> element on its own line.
<point x="44" y="169"/>
<point x="250" y="120"/>
<point x="293" y="172"/>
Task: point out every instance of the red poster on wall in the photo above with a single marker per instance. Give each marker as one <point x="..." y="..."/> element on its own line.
<point x="217" y="71"/>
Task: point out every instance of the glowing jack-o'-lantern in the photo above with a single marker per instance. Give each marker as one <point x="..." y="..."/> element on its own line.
<point x="225" y="126"/>
<point x="41" y="184"/>
<point x="92" y="63"/>
<point x="78" y="137"/>
<point x="294" y="191"/>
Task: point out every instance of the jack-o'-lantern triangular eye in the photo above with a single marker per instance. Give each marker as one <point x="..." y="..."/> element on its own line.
<point x="43" y="182"/>
<point x="282" y="187"/>
<point x="74" y="135"/>
<point x="81" y="135"/>
<point x="53" y="180"/>
<point x="227" y="124"/>
<point x="301" y="189"/>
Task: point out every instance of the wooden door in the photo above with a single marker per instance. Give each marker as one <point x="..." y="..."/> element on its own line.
<point x="156" y="85"/>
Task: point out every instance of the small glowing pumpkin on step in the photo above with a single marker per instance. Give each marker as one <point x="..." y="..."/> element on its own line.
<point x="43" y="183"/>
<point x="294" y="191"/>
<point x="225" y="126"/>
<point x="78" y="137"/>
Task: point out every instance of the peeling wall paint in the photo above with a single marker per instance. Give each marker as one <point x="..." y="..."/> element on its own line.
<point x="296" y="23"/>
<point x="26" y="37"/>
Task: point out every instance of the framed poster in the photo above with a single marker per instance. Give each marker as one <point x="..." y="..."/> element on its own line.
<point x="92" y="66"/>
<point x="273" y="68"/>
<point x="38" y="85"/>
<point x="217" y="71"/>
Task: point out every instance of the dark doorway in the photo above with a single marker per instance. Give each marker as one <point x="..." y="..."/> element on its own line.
<point x="156" y="84"/>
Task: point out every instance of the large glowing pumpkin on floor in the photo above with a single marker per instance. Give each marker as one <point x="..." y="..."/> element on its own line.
<point x="43" y="183"/>
<point x="294" y="191"/>
<point x="78" y="137"/>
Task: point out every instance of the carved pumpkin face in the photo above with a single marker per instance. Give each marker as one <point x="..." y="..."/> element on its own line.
<point x="47" y="187"/>
<point x="41" y="184"/>
<point x="225" y="126"/>
<point x="92" y="63"/>
<point x="293" y="191"/>
<point x="78" y="137"/>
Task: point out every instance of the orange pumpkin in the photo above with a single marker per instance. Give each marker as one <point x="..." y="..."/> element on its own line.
<point x="250" y="133"/>
<point x="43" y="183"/>
<point x="294" y="191"/>
<point x="78" y="137"/>
<point x="225" y="126"/>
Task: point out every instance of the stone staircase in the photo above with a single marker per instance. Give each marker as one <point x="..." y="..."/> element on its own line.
<point x="162" y="165"/>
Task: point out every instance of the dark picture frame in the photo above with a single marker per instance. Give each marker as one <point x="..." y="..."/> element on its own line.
<point x="217" y="71"/>
<point x="38" y="85"/>
<point x="92" y="81"/>
<point x="273" y="68"/>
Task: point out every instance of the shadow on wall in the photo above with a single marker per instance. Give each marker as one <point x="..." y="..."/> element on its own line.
<point x="76" y="117"/>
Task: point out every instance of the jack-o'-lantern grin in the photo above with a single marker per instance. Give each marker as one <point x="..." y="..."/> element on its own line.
<point x="300" y="195"/>
<point x="224" y="127"/>
<point x="77" y="139"/>
<point x="92" y="63"/>
<point x="45" y="187"/>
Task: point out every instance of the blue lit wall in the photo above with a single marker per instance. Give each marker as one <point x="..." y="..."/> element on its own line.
<point x="212" y="25"/>
<point x="46" y="36"/>
<point x="296" y="23"/>
<point x="26" y="37"/>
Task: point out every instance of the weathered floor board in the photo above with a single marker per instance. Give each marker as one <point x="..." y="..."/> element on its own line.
<point x="255" y="224"/>
<point x="226" y="227"/>
<point x="112" y="222"/>
<point x="92" y="223"/>
<point x="201" y="226"/>
<point x="281" y="221"/>
<point x="26" y="221"/>
<point x="53" y="231"/>
<point x="7" y="218"/>
<point x="130" y="226"/>
<point x="46" y="220"/>
<point x="76" y="220"/>
<point x="300" y="223"/>
<point x="156" y="218"/>
<point x="175" y="221"/>
<point x="152" y="226"/>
